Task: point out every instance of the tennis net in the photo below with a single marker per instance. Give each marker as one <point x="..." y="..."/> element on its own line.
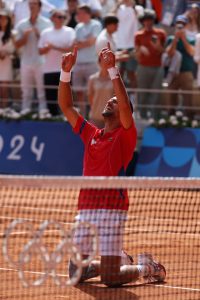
<point x="37" y="235"/>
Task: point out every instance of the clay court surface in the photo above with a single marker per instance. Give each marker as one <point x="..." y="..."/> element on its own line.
<point x="165" y="223"/>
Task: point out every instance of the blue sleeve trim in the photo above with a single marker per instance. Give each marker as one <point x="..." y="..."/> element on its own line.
<point x="82" y="126"/>
<point x="121" y="172"/>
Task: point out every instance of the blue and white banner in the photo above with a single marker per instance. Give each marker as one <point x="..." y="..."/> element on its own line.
<point x="39" y="148"/>
<point x="169" y="152"/>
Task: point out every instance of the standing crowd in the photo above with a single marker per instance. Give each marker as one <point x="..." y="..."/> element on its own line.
<point x="156" y="43"/>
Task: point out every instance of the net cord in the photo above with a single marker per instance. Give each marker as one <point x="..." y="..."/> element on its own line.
<point x="75" y="182"/>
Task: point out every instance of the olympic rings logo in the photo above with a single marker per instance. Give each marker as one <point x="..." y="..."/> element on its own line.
<point x="50" y="260"/>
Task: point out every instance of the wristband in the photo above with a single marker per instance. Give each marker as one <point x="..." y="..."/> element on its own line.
<point x="113" y="73"/>
<point x="65" y="76"/>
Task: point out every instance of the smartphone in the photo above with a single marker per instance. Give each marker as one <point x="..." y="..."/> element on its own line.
<point x="179" y="26"/>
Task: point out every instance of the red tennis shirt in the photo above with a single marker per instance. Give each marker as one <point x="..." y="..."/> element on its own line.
<point x="105" y="155"/>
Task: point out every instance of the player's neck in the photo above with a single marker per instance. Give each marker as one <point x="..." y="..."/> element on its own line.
<point x="110" y="125"/>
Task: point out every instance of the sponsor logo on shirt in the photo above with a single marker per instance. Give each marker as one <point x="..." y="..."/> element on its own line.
<point x="93" y="142"/>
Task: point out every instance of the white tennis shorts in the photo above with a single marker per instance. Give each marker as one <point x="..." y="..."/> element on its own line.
<point x="110" y="225"/>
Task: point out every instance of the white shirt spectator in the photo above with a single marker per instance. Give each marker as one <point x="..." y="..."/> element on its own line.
<point x="83" y="31"/>
<point x="128" y="26"/>
<point x="107" y="6"/>
<point x="102" y="41"/>
<point x="63" y="38"/>
<point x="20" y="11"/>
<point x="30" y="54"/>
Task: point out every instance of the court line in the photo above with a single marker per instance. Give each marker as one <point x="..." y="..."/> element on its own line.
<point x="15" y="233"/>
<point x="177" y="287"/>
<point x="192" y="235"/>
<point x="156" y="285"/>
<point x="36" y="208"/>
<point x="31" y="272"/>
<point x="132" y="218"/>
<point x="29" y="219"/>
<point x="182" y="235"/>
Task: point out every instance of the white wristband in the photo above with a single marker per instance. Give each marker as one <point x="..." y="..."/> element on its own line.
<point x="113" y="73"/>
<point x="65" y="76"/>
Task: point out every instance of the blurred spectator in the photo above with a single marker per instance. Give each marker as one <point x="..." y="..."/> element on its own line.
<point x="141" y="2"/>
<point x="157" y="5"/>
<point x="107" y="6"/>
<point x="53" y="43"/>
<point x="27" y="35"/>
<point x="95" y="6"/>
<point x="185" y="45"/>
<point x="87" y="31"/>
<point x="106" y="36"/>
<point x="6" y="50"/>
<point x="100" y="89"/>
<point x="193" y="25"/>
<point x="170" y="10"/>
<point x="2" y="4"/>
<point x="197" y="58"/>
<point x="20" y="11"/>
<point x="149" y="42"/>
<point x="172" y="65"/>
<point x="128" y="26"/>
<point x="72" y="6"/>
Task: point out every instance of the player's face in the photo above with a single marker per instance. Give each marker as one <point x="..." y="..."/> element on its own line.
<point x="111" y="108"/>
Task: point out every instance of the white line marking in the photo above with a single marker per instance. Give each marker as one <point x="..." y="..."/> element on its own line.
<point x="32" y="272"/>
<point x="15" y="233"/>
<point x="28" y="219"/>
<point x="156" y="285"/>
<point x="147" y="230"/>
<point x="178" y="287"/>
<point x="37" y="208"/>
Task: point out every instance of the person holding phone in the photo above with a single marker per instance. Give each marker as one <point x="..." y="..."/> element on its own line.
<point x="184" y="79"/>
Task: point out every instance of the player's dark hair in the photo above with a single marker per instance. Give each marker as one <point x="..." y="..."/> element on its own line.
<point x="86" y="8"/>
<point x="110" y="19"/>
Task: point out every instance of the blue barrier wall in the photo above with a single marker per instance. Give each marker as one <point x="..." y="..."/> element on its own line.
<point x="39" y="148"/>
<point x="169" y="152"/>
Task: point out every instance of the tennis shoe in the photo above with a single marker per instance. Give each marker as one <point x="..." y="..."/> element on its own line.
<point x="157" y="272"/>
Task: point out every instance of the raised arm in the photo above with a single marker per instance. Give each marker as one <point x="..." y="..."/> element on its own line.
<point x="108" y="59"/>
<point x="65" y="99"/>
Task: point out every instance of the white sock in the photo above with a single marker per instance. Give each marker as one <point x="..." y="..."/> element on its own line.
<point x="144" y="270"/>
